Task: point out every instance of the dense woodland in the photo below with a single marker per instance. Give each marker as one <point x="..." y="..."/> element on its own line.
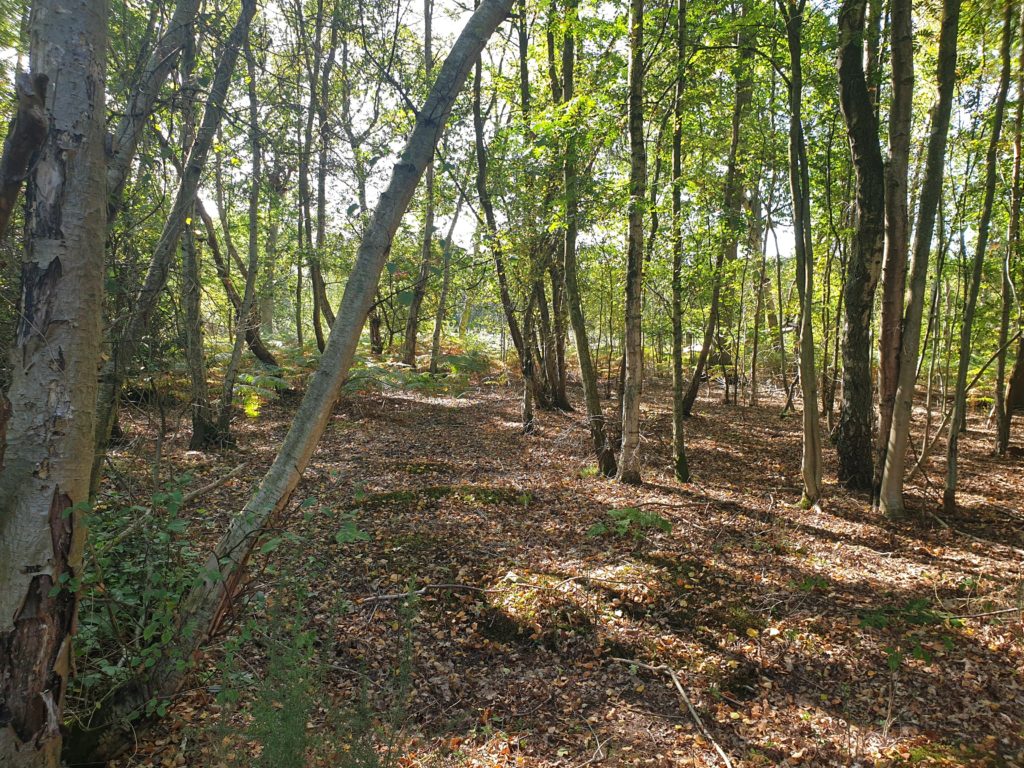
<point x="542" y="382"/>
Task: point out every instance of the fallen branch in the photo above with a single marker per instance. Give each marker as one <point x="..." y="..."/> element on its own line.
<point x="972" y="537"/>
<point x="989" y="613"/>
<point x="422" y="591"/>
<point x="686" y="699"/>
<point x="186" y="499"/>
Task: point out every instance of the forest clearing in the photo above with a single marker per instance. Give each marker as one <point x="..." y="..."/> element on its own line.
<point x="524" y="382"/>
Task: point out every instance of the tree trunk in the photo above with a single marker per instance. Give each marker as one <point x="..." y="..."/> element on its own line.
<point x="245" y="313"/>
<point x="991" y="171"/>
<point x="519" y="340"/>
<point x="47" y="425"/>
<point x="897" y="223"/>
<point x="442" y="301"/>
<point x="412" y="323"/>
<point x="629" y="458"/>
<point x="800" y="188"/>
<point x="206" y="604"/>
<point x="680" y="465"/>
<point x="854" y="444"/>
<point x="204" y="431"/>
<point x="26" y="136"/>
<point x="127" y="335"/>
<point x="605" y="455"/>
<point x="891" y="495"/>
<point x="1003" y="414"/>
<point x="732" y="216"/>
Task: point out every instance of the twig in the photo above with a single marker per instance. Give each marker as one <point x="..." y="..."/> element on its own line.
<point x="421" y="592"/>
<point x="989" y="613"/>
<point x="187" y="498"/>
<point x="686" y="699"/>
<point x="1016" y="550"/>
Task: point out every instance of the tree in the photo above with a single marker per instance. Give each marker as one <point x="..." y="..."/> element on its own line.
<point x="47" y="433"/>
<point x="891" y="492"/>
<point x="974" y="284"/>
<point x="629" y="459"/>
<point x="127" y="334"/>
<point x="897" y="221"/>
<point x="681" y="467"/>
<point x="574" y="300"/>
<point x="800" y="192"/>
<point x="854" y="433"/>
<point x="412" y="323"/>
<point x="204" y="606"/>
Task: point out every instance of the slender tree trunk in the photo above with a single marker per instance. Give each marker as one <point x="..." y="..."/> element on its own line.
<point x="967" y="326"/>
<point x="1003" y="414"/>
<point x="412" y="323"/>
<point x="897" y="223"/>
<point x="570" y="174"/>
<point x="629" y="459"/>
<point x="442" y="302"/>
<point x="127" y="335"/>
<point x="245" y="315"/>
<point x="46" y="426"/>
<point x="732" y="215"/>
<point x="203" y="608"/>
<point x="801" y="193"/>
<point x="680" y="465"/>
<point x="891" y="496"/>
<point x="854" y="443"/>
<point x="203" y="427"/>
<point x="558" y="313"/>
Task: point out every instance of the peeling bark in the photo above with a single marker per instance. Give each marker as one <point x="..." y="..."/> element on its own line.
<point x="47" y="453"/>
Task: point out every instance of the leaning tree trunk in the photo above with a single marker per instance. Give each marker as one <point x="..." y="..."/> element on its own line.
<point x="800" y="189"/>
<point x="127" y="335"/>
<point x="897" y="223"/>
<point x="46" y="429"/>
<point x="205" y="605"/>
<point x="629" y="458"/>
<point x="854" y="444"/>
<point x="680" y="466"/>
<point x="588" y="374"/>
<point x="991" y="171"/>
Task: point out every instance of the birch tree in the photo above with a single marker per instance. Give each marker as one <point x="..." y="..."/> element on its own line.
<point x="46" y="442"/>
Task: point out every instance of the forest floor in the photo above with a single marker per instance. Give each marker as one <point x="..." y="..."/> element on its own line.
<point x="819" y="637"/>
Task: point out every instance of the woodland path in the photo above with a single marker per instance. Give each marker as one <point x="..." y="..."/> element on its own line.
<point x="801" y="637"/>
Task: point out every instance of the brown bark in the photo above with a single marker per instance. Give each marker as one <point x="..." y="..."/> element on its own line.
<point x="854" y="444"/>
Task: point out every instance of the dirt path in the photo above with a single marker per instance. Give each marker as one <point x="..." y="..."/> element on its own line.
<point x="801" y="637"/>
